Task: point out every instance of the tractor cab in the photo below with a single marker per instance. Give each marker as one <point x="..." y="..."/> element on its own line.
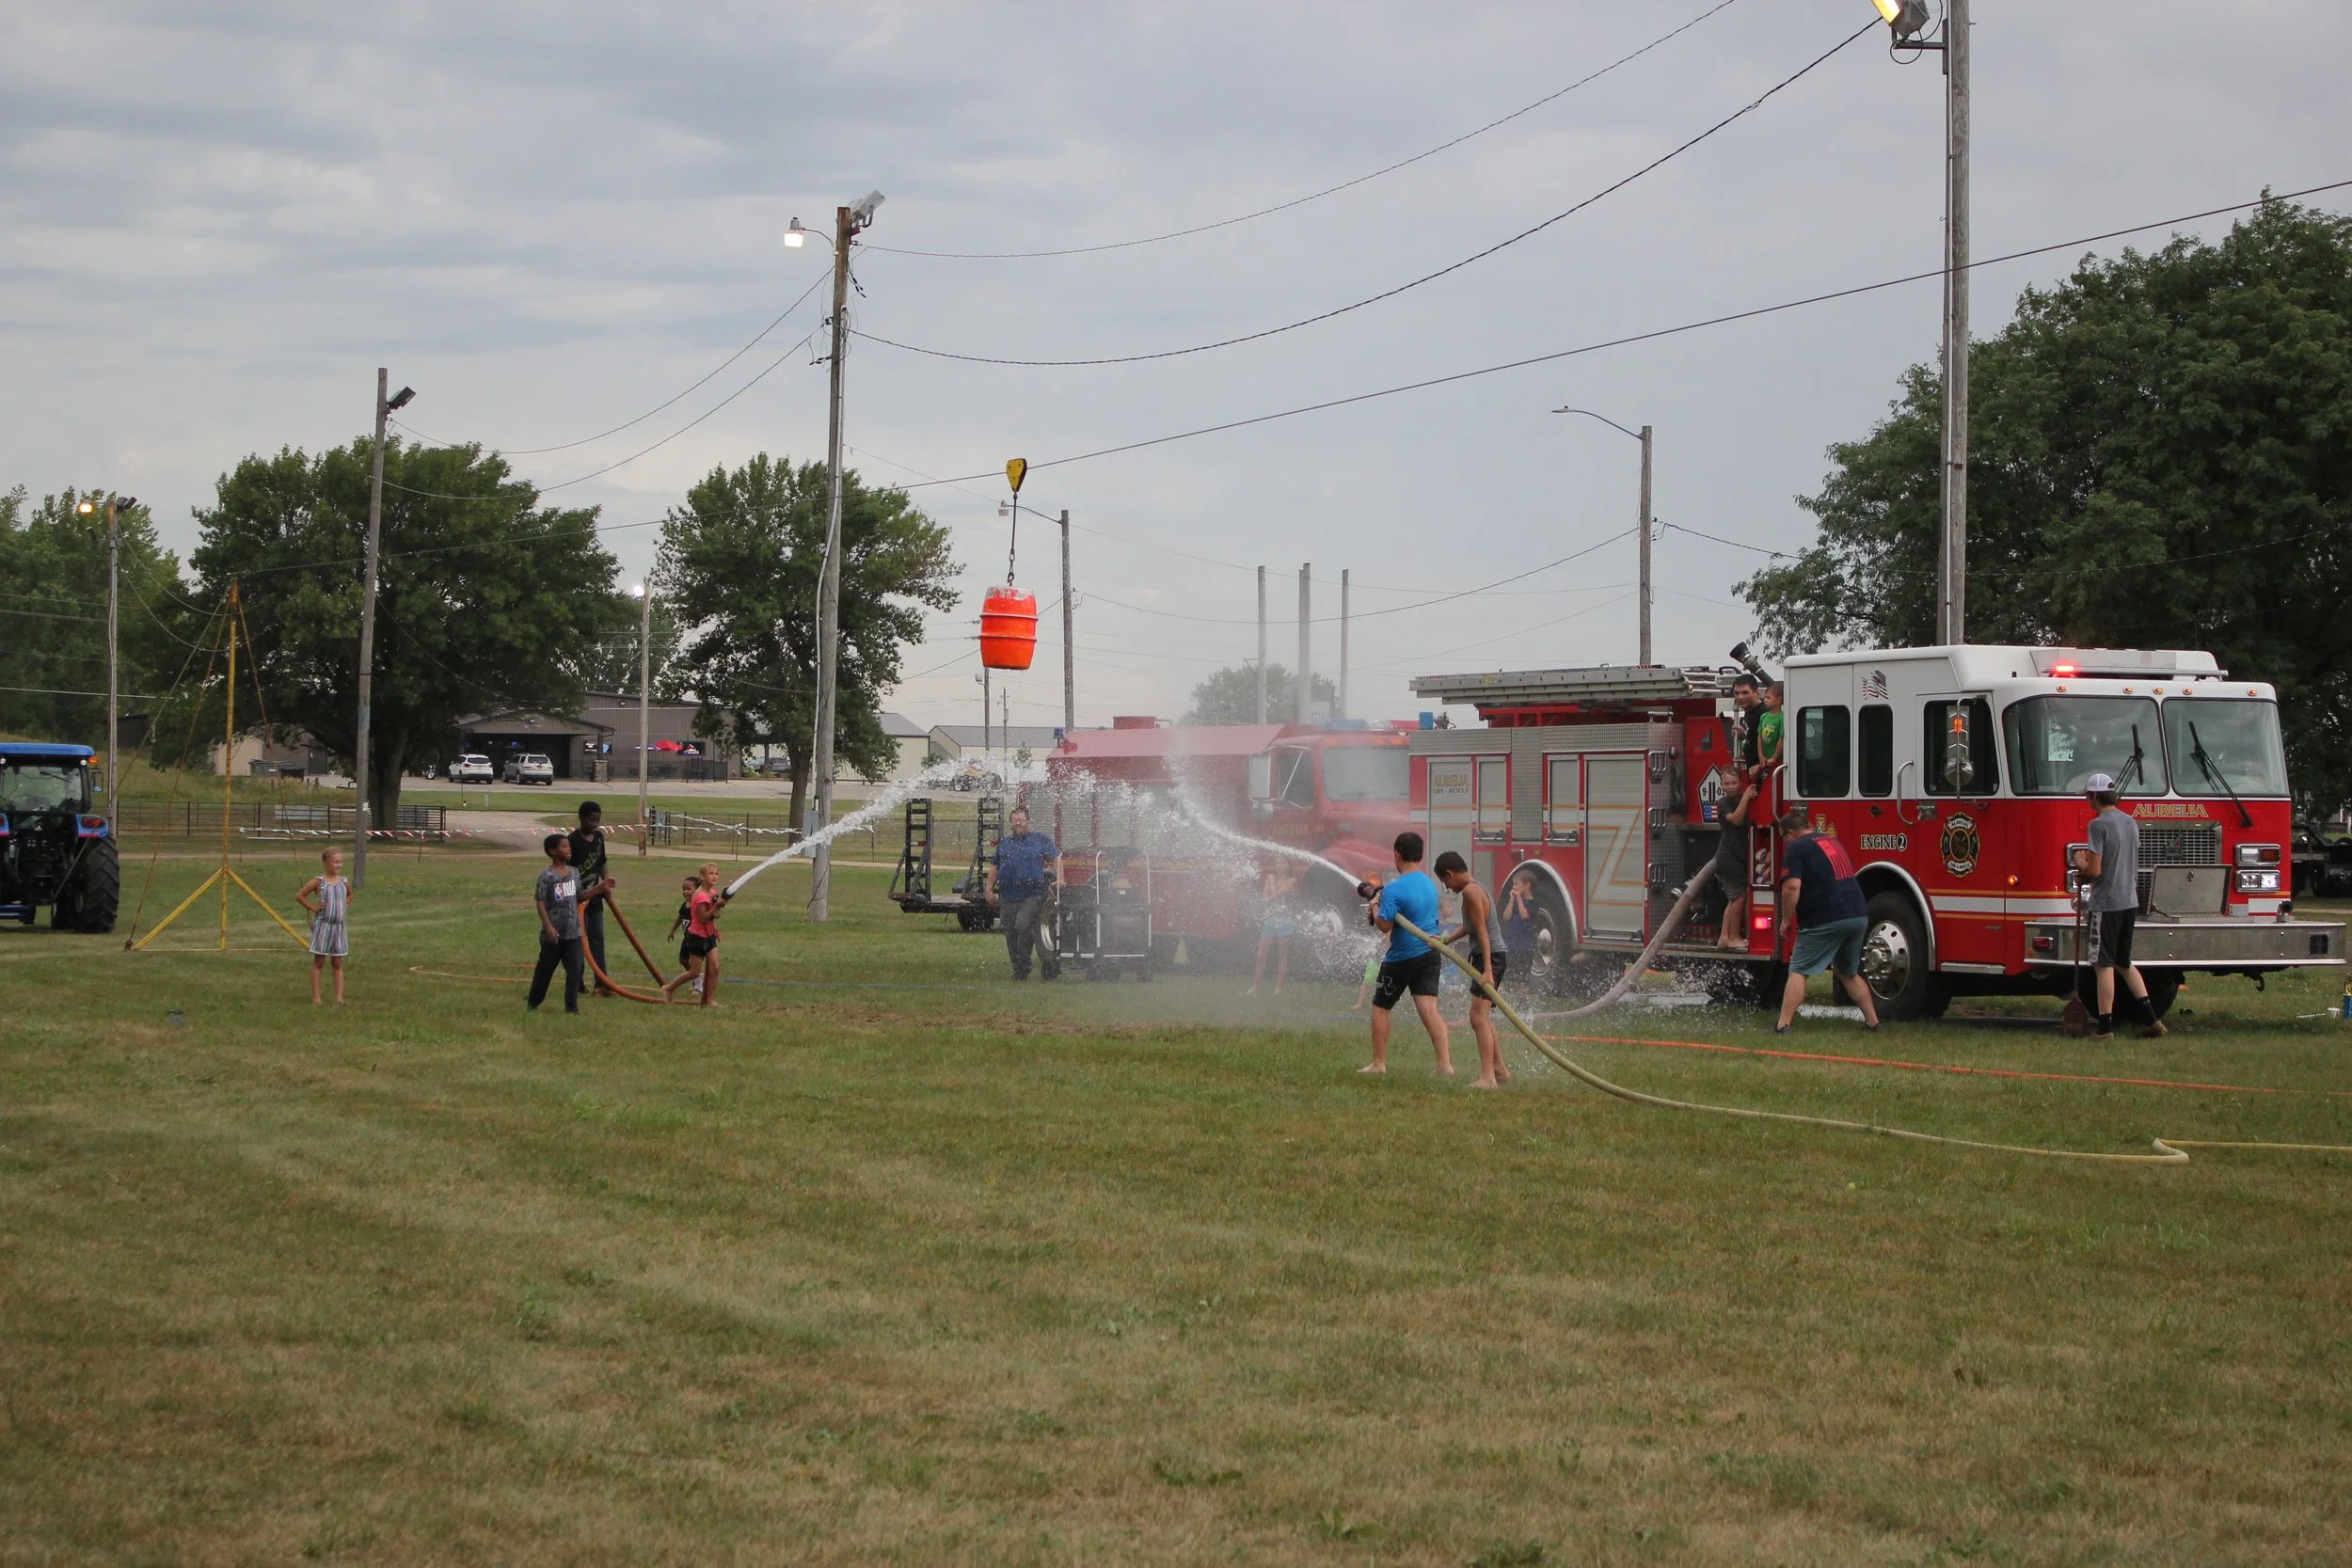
<point x="54" y="847"/>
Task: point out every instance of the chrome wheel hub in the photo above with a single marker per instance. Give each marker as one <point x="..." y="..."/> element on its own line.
<point x="1886" y="959"/>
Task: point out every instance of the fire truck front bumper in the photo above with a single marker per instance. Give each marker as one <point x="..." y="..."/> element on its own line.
<point x="2212" y="943"/>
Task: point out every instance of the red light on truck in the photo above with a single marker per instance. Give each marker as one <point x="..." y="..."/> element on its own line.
<point x="2062" y="669"/>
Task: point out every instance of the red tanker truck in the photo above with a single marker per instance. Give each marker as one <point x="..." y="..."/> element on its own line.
<point x="1339" y="792"/>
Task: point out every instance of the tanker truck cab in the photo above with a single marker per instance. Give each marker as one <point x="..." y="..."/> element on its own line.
<point x="1339" y="793"/>
<point x="1955" y="778"/>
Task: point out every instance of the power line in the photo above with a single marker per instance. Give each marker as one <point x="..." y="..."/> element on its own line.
<point x="1327" y="190"/>
<point x="594" y="473"/>
<point x="1856" y="291"/>
<point x="1371" y="614"/>
<point x="537" y="452"/>
<point x="1718" y="539"/>
<point x="1657" y="163"/>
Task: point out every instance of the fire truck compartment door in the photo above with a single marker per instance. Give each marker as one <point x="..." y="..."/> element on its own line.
<point x="1616" y="845"/>
<point x="1451" y="806"/>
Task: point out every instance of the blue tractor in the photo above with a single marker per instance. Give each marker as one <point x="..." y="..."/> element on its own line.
<point x="55" y="849"/>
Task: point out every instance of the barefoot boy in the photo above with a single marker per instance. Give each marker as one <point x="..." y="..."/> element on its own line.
<point x="1412" y="964"/>
<point x="330" y="936"/>
<point x="1478" y="925"/>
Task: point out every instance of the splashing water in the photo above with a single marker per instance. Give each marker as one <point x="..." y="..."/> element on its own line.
<point x="865" y="816"/>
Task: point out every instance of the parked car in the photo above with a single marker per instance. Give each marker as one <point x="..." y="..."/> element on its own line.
<point x="470" y="768"/>
<point x="528" y="769"/>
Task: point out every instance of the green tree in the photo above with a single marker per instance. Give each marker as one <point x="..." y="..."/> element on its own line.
<point x="740" y="562"/>
<point x="609" y="662"/>
<point x="53" y="615"/>
<point x="484" y="599"/>
<point x="1231" y="696"/>
<point x="2160" y="456"/>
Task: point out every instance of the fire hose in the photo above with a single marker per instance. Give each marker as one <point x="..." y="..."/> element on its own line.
<point x="2169" y="1151"/>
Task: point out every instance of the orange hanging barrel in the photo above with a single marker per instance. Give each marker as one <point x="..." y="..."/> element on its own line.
<point x="1008" y="629"/>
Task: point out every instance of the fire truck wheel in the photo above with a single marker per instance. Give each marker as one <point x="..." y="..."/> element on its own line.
<point x="1895" y="957"/>
<point x="1549" y="966"/>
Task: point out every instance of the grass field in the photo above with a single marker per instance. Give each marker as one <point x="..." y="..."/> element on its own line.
<point x="889" y="1261"/>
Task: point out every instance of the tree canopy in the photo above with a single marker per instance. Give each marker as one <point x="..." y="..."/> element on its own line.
<point x="2160" y="456"/>
<point x="485" y="599"/>
<point x="53" y="615"/>
<point x="1230" y="695"/>
<point x="740" y="562"/>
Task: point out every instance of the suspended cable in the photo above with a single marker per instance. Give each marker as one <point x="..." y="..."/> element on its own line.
<point x="538" y="451"/>
<point x="1726" y="320"/>
<point x="1451" y="267"/>
<point x="593" y="473"/>
<point x="1327" y="190"/>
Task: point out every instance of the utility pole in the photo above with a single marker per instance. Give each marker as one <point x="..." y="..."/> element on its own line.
<point x="1306" y="706"/>
<point x="362" y="806"/>
<point x="1645" y="543"/>
<point x="1342" y="711"/>
<point x="1953" y="608"/>
<point x="1261" y="645"/>
<point x="987" y="715"/>
<point x="114" y="681"/>
<point x="1069" y="653"/>
<point x="848" y="221"/>
<point x="645" y="712"/>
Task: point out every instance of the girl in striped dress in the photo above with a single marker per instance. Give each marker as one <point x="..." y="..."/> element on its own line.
<point x="327" y="897"/>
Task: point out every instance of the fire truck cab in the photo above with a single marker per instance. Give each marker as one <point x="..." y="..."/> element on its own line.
<point x="1955" y="778"/>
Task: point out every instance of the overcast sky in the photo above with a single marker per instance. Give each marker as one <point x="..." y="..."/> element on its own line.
<point x="216" y="221"/>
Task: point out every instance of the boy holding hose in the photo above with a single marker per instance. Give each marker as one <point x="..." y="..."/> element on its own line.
<point x="1412" y="964"/>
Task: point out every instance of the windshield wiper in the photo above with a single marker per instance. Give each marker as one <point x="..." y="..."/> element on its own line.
<point x="2205" y="763"/>
<point x="2136" y="770"/>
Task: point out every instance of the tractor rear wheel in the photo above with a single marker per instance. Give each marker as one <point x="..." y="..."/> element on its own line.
<point x="97" y="888"/>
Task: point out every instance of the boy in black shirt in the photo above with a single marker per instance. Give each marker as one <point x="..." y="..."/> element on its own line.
<point x="595" y="888"/>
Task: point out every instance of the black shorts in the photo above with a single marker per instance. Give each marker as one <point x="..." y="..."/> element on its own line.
<point x="696" y="947"/>
<point x="2111" y="938"/>
<point x="1731" y="860"/>
<point x="1502" y="967"/>
<point x="1419" y="976"/>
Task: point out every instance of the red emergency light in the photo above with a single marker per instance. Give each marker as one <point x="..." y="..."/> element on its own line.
<point x="2061" y="669"/>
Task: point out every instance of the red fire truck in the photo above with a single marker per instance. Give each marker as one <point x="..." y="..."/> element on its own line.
<point x="1339" y="792"/>
<point x="1954" y="776"/>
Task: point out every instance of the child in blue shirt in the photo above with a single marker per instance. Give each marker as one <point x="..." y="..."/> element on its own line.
<point x="1412" y="965"/>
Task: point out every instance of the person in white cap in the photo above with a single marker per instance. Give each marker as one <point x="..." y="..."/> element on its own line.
<point x="2110" y="868"/>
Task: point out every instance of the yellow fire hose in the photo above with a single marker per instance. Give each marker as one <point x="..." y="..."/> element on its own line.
<point x="2169" y="1151"/>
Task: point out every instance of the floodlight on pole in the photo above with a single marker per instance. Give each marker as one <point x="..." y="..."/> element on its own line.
<point x="795" y="236"/>
<point x="1907" y="19"/>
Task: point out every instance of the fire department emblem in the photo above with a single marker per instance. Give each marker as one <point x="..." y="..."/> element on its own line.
<point x="1962" y="848"/>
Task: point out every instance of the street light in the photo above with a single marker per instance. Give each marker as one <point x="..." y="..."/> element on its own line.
<point x="644" y="595"/>
<point x="795" y="236"/>
<point x="848" y="221"/>
<point x="360" y="804"/>
<point x="114" y="505"/>
<point x="1908" y="22"/>
<point x="1908" y="19"/>
<point x="1642" y="435"/>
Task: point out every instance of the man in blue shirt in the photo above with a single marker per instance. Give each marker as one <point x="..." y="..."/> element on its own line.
<point x="1412" y="965"/>
<point x="1019" y="880"/>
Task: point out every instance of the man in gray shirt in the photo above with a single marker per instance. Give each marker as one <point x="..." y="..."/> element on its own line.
<point x="2110" y="867"/>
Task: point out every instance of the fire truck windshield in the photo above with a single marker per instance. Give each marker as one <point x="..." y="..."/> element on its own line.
<point x="2242" y="747"/>
<point x="1365" y="772"/>
<point x="40" y="787"/>
<point x="2057" y="743"/>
